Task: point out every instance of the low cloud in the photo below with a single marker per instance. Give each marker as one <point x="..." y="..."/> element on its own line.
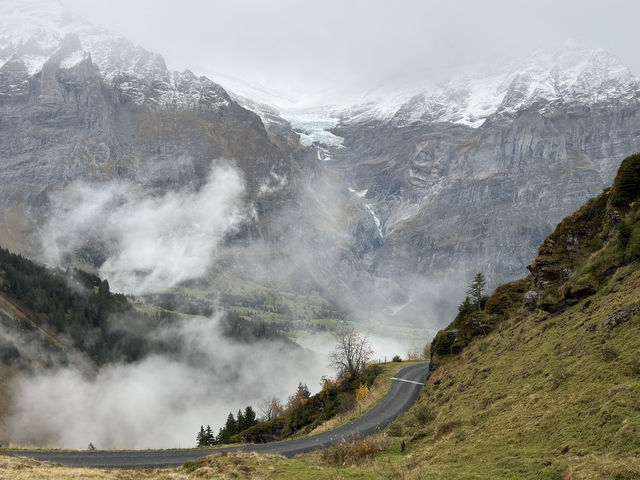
<point x="162" y="400"/>
<point x="157" y="241"/>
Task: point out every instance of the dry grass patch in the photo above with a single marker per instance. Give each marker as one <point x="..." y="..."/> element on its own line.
<point x="232" y="466"/>
<point x="355" y="451"/>
<point x="20" y="468"/>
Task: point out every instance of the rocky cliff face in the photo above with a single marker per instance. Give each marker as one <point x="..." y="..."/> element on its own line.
<point x="461" y="189"/>
<point x="79" y="103"/>
<point x="137" y="124"/>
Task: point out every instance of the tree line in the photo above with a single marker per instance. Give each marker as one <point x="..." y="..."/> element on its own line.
<point x="233" y="426"/>
<point x="303" y="411"/>
<point x="103" y="324"/>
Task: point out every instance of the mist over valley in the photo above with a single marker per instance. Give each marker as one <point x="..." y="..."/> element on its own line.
<point x="181" y="242"/>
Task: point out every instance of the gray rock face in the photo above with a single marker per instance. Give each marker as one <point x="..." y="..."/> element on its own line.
<point x="71" y="118"/>
<point x="454" y="198"/>
<point x="531" y="299"/>
<point x="78" y="103"/>
<point x="472" y="174"/>
<point x="74" y="119"/>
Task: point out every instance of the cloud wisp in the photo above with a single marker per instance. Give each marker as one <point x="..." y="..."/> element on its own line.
<point x="157" y="241"/>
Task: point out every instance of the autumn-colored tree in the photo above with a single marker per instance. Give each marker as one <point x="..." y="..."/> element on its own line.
<point x="299" y="398"/>
<point x="361" y="394"/>
<point x="352" y="353"/>
<point x="326" y="383"/>
<point x="271" y="408"/>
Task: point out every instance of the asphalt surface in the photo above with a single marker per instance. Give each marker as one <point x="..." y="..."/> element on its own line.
<point x="399" y="399"/>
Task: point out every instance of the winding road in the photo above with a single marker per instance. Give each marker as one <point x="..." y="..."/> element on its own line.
<point x="403" y="393"/>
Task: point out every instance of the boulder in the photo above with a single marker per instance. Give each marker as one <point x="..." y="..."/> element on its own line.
<point x="531" y="299"/>
<point x="620" y="316"/>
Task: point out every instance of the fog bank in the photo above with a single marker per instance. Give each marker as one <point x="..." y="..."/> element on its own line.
<point x="161" y="401"/>
<point x="154" y="242"/>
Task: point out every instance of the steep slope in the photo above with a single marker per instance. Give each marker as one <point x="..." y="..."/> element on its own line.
<point x="552" y="391"/>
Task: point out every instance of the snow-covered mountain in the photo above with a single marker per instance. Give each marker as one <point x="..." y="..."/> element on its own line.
<point x="569" y="74"/>
<point x="80" y="103"/>
<point x="464" y="175"/>
<point x="37" y="33"/>
<point x="471" y="174"/>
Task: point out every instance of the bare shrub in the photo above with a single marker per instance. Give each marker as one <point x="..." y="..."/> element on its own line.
<point x="354" y="451"/>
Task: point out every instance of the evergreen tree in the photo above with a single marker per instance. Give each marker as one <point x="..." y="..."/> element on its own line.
<point x="250" y="417"/>
<point x="104" y="288"/>
<point x="476" y="288"/>
<point x="230" y="428"/>
<point x="240" y="422"/>
<point x="200" y="438"/>
<point x="303" y="391"/>
<point x="210" y="438"/>
<point x="466" y="306"/>
<point x="231" y="425"/>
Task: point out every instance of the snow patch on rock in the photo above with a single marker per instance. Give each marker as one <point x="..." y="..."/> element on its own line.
<point x="570" y="74"/>
<point x="32" y="31"/>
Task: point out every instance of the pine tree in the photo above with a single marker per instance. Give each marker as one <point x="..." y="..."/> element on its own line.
<point x="104" y="288"/>
<point x="303" y="390"/>
<point x="476" y="288"/>
<point x="466" y="306"/>
<point x="231" y="425"/>
<point x="249" y="417"/>
<point x="229" y="429"/>
<point x="210" y="439"/>
<point x="240" y="422"/>
<point x="200" y="438"/>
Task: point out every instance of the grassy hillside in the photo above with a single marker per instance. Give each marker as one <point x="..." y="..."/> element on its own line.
<point x="547" y="384"/>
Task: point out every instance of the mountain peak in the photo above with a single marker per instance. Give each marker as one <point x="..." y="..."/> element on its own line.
<point x="33" y="33"/>
<point x="571" y="43"/>
<point x="570" y="73"/>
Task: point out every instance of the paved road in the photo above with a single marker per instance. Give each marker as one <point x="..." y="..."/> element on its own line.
<point x="399" y="399"/>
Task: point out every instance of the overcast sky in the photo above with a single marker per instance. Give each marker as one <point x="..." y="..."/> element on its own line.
<point x="342" y="46"/>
